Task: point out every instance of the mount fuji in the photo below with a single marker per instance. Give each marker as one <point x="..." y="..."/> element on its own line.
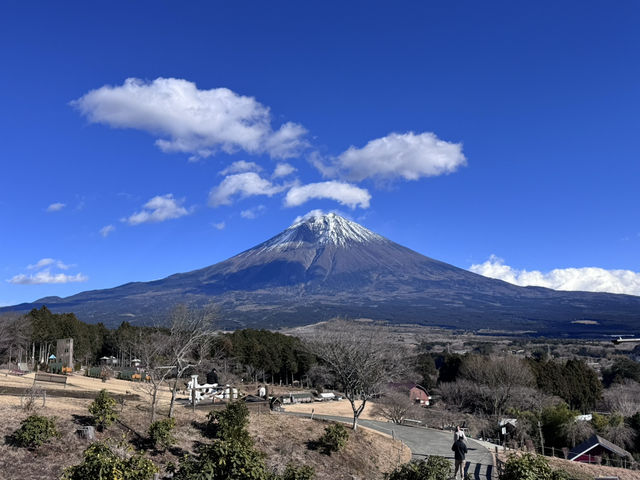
<point x="324" y="266"/>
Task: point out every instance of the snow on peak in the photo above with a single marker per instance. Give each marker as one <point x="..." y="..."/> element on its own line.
<point x="325" y="229"/>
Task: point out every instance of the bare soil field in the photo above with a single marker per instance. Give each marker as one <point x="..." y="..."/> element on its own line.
<point x="283" y="439"/>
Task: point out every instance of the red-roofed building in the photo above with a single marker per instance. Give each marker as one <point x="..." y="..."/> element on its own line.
<point x="417" y="393"/>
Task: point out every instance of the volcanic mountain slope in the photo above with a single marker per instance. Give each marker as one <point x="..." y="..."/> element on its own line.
<point x="325" y="265"/>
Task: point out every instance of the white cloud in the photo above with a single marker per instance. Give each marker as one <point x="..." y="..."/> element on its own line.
<point x="398" y="155"/>
<point x="243" y="184"/>
<point x="219" y="225"/>
<point x="587" y="279"/>
<point x="48" y="262"/>
<point x="283" y="169"/>
<point x="56" y="207"/>
<point x="344" y="193"/>
<point x="241" y="166"/>
<point x="46" y="275"/>
<point x="254" y="212"/>
<point x="106" y="230"/>
<point x="158" y="209"/>
<point x="190" y="120"/>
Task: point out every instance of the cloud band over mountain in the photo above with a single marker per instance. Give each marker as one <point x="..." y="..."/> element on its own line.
<point x="587" y="279"/>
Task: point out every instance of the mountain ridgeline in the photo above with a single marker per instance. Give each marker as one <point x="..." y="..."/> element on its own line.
<point x="325" y="266"/>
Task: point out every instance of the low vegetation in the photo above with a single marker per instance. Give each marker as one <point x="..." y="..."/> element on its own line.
<point x="161" y="433"/>
<point x="433" y="468"/>
<point x="34" y="431"/>
<point x="105" y="461"/>
<point x="529" y="466"/>
<point x="102" y="410"/>
<point x="334" y="439"/>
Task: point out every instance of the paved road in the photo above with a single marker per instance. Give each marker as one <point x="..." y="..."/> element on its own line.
<point x="425" y="441"/>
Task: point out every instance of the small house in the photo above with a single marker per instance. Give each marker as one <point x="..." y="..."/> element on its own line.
<point x="417" y="393"/>
<point x="302" y="397"/>
<point x="325" y="397"/>
<point x="592" y="450"/>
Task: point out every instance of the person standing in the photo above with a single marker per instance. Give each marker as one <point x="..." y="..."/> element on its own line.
<point x="459" y="449"/>
<point x="459" y="433"/>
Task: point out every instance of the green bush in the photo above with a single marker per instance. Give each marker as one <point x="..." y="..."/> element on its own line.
<point x="101" y="462"/>
<point x="433" y="468"/>
<point x="160" y="433"/>
<point x="304" y="472"/>
<point x="334" y="439"/>
<point x="223" y="459"/>
<point x="102" y="409"/>
<point x="34" y="431"/>
<point x="230" y="424"/>
<point x="529" y="466"/>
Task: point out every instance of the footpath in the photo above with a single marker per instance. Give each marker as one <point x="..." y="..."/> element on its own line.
<point x="424" y="442"/>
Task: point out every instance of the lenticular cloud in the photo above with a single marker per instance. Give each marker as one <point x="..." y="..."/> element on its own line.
<point x="187" y="119"/>
<point x="588" y="279"/>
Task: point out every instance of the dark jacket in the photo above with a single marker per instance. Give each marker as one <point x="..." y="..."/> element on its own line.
<point x="459" y="449"/>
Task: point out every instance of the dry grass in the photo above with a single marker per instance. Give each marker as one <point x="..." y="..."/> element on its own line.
<point x="283" y="439"/>
<point x="340" y="408"/>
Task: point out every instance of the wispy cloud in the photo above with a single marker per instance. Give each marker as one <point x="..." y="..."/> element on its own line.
<point x="56" y="207"/>
<point x="48" y="262"/>
<point x="159" y="209"/>
<point x="409" y="156"/>
<point x="344" y="193"/>
<point x="106" y="230"/>
<point x="219" y="225"/>
<point x="190" y="120"/>
<point x="241" y="166"/>
<point x="254" y="212"/>
<point x="46" y="274"/>
<point x="587" y="279"/>
<point x="243" y="185"/>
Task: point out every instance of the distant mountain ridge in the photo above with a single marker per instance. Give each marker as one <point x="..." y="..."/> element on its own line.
<point x="325" y="265"/>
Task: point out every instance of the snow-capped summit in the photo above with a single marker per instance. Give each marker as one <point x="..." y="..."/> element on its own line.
<point x="322" y="229"/>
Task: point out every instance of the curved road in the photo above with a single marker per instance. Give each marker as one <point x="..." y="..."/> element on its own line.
<point x="425" y="441"/>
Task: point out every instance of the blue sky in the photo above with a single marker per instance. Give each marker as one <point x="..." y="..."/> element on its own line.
<point x="141" y="139"/>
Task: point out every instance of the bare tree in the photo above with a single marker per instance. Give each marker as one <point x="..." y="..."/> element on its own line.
<point x="499" y="379"/>
<point x="577" y="431"/>
<point x="151" y="348"/>
<point x="170" y="351"/>
<point x="395" y="406"/>
<point x="623" y="398"/>
<point x="360" y="358"/>
<point x="189" y="339"/>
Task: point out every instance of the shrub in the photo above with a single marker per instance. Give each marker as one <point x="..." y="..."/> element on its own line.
<point x="230" y="424"/>
<point x="160" y="433"/>
<point x="102" y="410"/>
<point x="433" y="468"/>
<point x="334" y="439"/>
<point x="102" y="462"/>
<point x="529" y="466"/>
<point x="34" y="431"/>
<point x="223" y="459"/>
<point x="304" y="472"/>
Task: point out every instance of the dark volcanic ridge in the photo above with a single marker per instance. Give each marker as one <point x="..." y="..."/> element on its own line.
<point x="325" y="266"/>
